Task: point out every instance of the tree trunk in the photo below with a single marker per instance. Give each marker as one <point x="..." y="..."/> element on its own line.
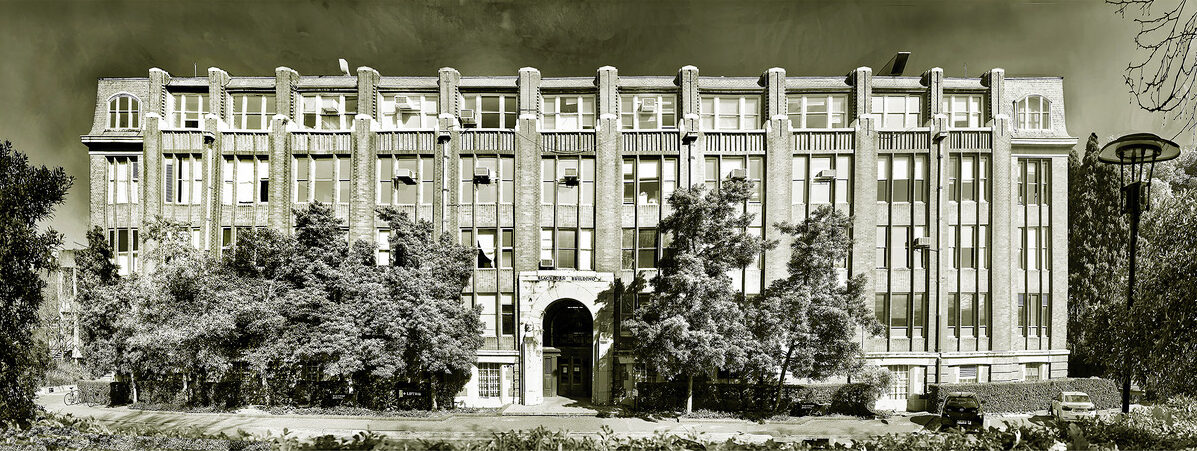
<point x="186" y="388"/>
<point x="432" y="390"/>
<point x="265" y="388"/>
<point x="781" y="378"/>
<point x="689" y="393"/>
<point x="133" y="386"/>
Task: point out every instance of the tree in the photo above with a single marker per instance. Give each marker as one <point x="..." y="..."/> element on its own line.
<point x="694" y="322"/>
<point x="1097" y="258"/>
<point x="426" y="279"/>
<point x="807" y="322"/>
<point x="28" y="195"/>
<point x="1162" y="75"/>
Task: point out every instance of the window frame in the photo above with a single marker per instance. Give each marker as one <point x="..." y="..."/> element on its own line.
<point x="879" y="115"/>
<point x="180" y="115"/>
<point x="183" y="178"/>
<point x="240" y="110"/>
<point x="551" y="112"/>
<point x="799" y="120"/>
<point x="973" y="113"/>
<point x="744" y="114"/>
<point x="309" y="182"/>
<point x="126" y="118"/>
<point x="629" y="111"/>
<point x="475" y="101"/>
<point x="1023" y="114"/>
<point x="344" y="116"/>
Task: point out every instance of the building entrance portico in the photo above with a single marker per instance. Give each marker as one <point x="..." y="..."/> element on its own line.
<point x="567" y="335"/>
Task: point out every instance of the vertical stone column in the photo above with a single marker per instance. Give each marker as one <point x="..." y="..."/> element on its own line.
<point x="214" y="175"/>
<point x="447" y="150"/>
<point x="361" y="202"/>
<point x="933" y="80"/>
<point x="156" y="102"/>
<point x="607" y="176"/>
<point x="779" y="156"/>
<point x="527" y="174"/>
<point x="1003" y="182"/>
<point x="98" y="184"/>
<point x="218" y="99"/>
<point x="864" y="179"/>
<point x="279" y="207"/>
<point x="691" y="162"/>
<point x="367" y="91"/>
<point x="936" y="213"/>
<point x="151" y="160"/>
<point x="1059" y="261"/>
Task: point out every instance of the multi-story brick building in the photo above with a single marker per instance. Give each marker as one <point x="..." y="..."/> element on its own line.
<point x="956" y="187"/>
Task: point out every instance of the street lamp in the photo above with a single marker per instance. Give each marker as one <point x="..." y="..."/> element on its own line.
<point x="1136" y="155"/>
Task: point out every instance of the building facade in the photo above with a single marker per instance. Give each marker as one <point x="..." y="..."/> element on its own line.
<point x="956" y="186"/>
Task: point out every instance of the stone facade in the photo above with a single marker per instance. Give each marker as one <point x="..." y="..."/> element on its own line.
<point x="994" y="340"/>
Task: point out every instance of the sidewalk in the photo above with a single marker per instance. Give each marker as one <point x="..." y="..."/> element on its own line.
<point x="473" y="426"/>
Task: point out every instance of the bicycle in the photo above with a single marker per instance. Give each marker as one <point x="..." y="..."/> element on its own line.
<point x="73" y="397"/>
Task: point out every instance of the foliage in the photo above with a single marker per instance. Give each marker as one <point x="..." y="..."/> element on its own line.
<point x="1097" y="259"/>
<point x="1028" y="396"/>
<point x="1172" y="425"/>
<point x="1162" y="74"/>
<point x="104" y="393"/>
<point x="28" y="196"/>
<point x="693" y="324"/>
<point x="67" y="432"/>
<point x="62" y="373"/>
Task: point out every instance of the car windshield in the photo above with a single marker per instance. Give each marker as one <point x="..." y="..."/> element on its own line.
<point x="968" y="403"/>
<point x="1076" y="398"/>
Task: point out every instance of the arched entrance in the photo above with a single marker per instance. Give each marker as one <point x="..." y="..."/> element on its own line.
<point x="568" y="349"/>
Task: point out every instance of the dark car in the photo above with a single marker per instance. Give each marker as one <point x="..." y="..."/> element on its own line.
<point x="963" y="409"/>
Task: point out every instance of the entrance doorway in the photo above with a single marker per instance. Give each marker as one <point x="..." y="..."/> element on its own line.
<point x="569" y="330"/>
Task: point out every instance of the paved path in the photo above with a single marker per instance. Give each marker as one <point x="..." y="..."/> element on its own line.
<point x="457" y="427"/>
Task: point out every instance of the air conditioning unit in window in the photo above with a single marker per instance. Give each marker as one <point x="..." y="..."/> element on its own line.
<point x="570" y="177"/>
<point x="405" y="176"/>
<point x="648" y="105"/>
<point x="482" y="176"/>
<point x="547" y="263"/>
<point x="737" y="174"/>
<point x="826" y="174"/>
<point x="329" y="106"/>
<point x="922" y="242"/>
<point x="405" y="103"/>
<point x="467" y="118"/>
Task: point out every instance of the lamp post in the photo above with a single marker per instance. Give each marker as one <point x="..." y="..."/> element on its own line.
<point x="1136" y="155"/>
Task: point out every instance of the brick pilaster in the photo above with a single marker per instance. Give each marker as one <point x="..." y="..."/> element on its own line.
<point x="691" y="161"/>
<point x="1004" y="300"/>
<point x="218" y="98"/>
<point x="864" y="179"/>
<point x="447" y="151"/>
<point x="527" y="181"/>
<point x="279" y="206"/>
<point x="779" y="157"/>
<point x="607" y="176"/>
<point x="367" y="92"/>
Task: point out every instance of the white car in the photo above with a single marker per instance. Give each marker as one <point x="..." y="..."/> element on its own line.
<point x="1072" y="405"/>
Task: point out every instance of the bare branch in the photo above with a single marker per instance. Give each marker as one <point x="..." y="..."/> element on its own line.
<point x="1162" y="74"/>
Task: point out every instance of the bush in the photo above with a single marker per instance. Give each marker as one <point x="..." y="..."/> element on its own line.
<point x="1172" y="425"/>
<point x="62" y="373"/>
<point x="750" y="398"/>
<point x="104" y="393"/>
<point x="855" y="399"/>
<point x="1028" y="396"/>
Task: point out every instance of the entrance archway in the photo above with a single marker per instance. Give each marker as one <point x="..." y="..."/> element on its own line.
<point x="568" y="349"/>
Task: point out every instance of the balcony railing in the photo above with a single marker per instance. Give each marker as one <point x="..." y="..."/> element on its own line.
<point x="581" y="141"/>
<point x="903" y="140"/>
<point x="390" y="141"/>
<point x="321" y="141"/>
<point x="488" y="140"/>
<point x="651" y="141"/>
<point x="747" y="141"/>
<point x="970" y="140"/>
<point x="824" y="140"/>
<point x="245" y="142"/>
<point x="182" y="140"/>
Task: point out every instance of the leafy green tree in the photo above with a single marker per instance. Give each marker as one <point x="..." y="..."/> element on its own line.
<point x="28" y="195"/>
<point x="426" y="279"/>
<point x="807" y="322"/>
<point x="1097" y="244"/>
<point x="694" y="322"/>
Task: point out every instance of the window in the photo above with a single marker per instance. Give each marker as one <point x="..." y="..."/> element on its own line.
<point x="408" y="111"/>
<point x="967" y="374"/>
<point x="967" y="247"/>
<point x="967" y="314"/>
<point x="798" y="185"/>
<point x="882" y="253"/>
<point x="730" y="112"/>
<point x="898" y="169"/>
<point x="507" y="312"/>
<point x="1022" y="314"/>
<point x="405" y="180"/>
<point x="968" y="178"/>
<point x="491" y="110"/>
<point x="896" y="111"/>
<point x="1034" y="181"/>
<point x="721" y="168"/>
<point x="499" y="188"/>
<point x="829" y="178"/>
<point x="648" y="180"/>
<point x="328" y="111"/>
<point x="1030" y="248"/>
<point x="569" y="112"/>
<point x="322" y="179"/>
<point x="382" y="247"/>
<point x="879" y="303"/>
<point x="1034" y="314"/>
<point x="489" y="316"/>
<point x="983" y="178"/>
<point x="556" y="188"/>
<point x="898" y="309"/>
<point x="1032" y="113"/>
<point x="187" y="110"/>
<point x="573" y="248"/>
<point x="899" y="384"/>
<point x="918" y="315"/>
<point x="124" y="112"/>
<point x="901" y="166"/>
<point x="920" y="257"/>
<point x="253" y="111"/>
<point x="124" y="172"/>
<point x="242" y="176"/>
<point x="647" y="111"/>
<point x="488" y="380"/>
<point x="953" y="307"/>
<point x="963" y="111"/>
<point x="494" y="246"/>
<point x="983" y="313"/>
<point x="641" y="248"/>
<point x="183" y="177"/>
<point x="983" y="246"/>
<point x="882" y="178"/>
<point x="818" y="111"/>
<point x="900" y="258"/>
<point x="954" y="178"/>
<point x="124" y="244"/>
<point x="920" y="179"/>
<point x="230" y="235"/>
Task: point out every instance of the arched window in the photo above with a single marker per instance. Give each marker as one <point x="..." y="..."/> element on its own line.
<point x="1033" y="113"/>
<point x="123" y="112"/>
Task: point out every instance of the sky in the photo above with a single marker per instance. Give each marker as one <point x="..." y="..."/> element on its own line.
<point x="52" y="52"/>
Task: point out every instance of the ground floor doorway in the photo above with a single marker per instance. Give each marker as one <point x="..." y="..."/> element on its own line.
<point x="568" y="350"/>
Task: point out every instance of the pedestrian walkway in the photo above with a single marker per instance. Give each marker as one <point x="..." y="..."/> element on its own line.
<point x="464" y="427"/>
<point x="553" y="406"/>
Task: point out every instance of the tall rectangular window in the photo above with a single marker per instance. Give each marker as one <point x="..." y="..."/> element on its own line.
<point x="898" y="308"/>
<point x="798" y="185"/>
<point x="879" y="303"/>
<point x="1022" y="314"/>
<point x="124" y="174"/>
<point x="968" y="178"/>
<point x="124" y="243"/>
<point x="569" y="248"/>
<point x="900" y="247"/>
<point x="488" y="380"/>
<point x="967" y="247"/>
<point x="183" y="177"/>
<point x="896" y="111"/>
<point x="918" y="315"/>
<point x="648" y="180"/>
<point x="901" y="167"/>
<point x="253" y="111"/>
<point x="953" y="308"/>
<point x="322" y="178"/>
<point x="882" y="178"/>
<point x="983" y="313"/>
<point x="983" y="192"/>
<point x="920" y="178"/>
<point x="491" y="111"/>
<point x="726" y="167"/>
<point x="408" y="111"/>
<point x="983" y="246"/>
<point x="567" y="180"/>
<point x="187" y="110"/>
<point x="963" y="110"/>
<point x="920" y="256"/>
<point x="569" y="112"/>
<point x="953" y="178"/>
<point x="730" y="112"/>
<point x="967" y="314"/>
<point x="882" y="254"/>
<point x="1034" y="181"/>
<point x="648" y="111"/>
<point x="328" y="111"/>
<point x="487" y="179"/>
<point x="382" y="243"/>
<point x="507" y="314"/>
<point x="245" y="179"/>
<point x="818" y="111"/>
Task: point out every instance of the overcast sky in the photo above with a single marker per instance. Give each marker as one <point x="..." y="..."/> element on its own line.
<point x="51" y="53"/>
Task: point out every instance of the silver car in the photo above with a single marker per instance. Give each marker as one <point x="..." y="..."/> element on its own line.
<point x="1072" y="405"/>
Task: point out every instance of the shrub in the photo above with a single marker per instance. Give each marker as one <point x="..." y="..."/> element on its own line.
<point x="1028" y="396"/>
<point x="104" y="392"/>
<point x="855" y="399"/>
<point x="751" y="398"/>
<point x="62" y="373"/>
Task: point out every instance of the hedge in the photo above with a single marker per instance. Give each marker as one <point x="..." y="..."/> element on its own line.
<point x="663" y="396"/>
<point x="103" y="392"/>
<point x="384" y="395"/>
<point x="1028" y="396"/>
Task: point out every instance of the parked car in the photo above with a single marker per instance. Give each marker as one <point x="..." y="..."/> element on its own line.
<point x="963" y="409"/>
<point x="1071" y="405"/>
